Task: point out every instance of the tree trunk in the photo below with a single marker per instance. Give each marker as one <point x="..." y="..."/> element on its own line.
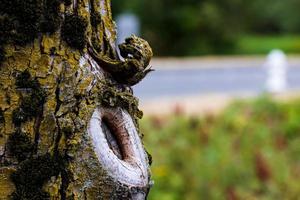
<point x="68" y="118"/>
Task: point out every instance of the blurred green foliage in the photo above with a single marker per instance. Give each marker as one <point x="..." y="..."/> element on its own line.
<point x="193" y="27"/>
<point x="250" y="151"/>
<point x="263" y="44"/>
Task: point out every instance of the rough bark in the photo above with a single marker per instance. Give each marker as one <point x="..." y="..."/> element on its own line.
<point x="68" y="129"/>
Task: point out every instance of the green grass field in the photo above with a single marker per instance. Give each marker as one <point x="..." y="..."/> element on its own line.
<point x="264" y="44"/>
<point x="250" y="151"/>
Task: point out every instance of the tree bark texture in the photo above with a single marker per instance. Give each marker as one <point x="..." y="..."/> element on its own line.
<point x="68" y="117"/>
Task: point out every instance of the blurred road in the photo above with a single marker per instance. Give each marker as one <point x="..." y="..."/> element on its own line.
<point x="190" y="77"/>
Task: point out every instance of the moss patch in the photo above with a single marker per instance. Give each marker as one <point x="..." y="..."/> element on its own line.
<point x="51" y="16"/>
<point x="2" y="55"/>
<point x="33" y="174"/>
<point x="24" y="15"/>
<point x="73" y="31"/>
<point x="67" y="2"/>
<point x="27" y="18"/>
<point x="2" y="119"/>
<point x="31" y="105"/>
<point x="6" y="28"/>
<point x="21" y="21"/>
<point x="23" y="80"/>
<point x="20" y="146"/>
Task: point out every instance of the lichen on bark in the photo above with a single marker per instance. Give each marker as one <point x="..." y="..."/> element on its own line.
<point x="50" y="86"/>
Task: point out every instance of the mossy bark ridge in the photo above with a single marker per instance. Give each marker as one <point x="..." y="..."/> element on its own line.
<point x="69" y="129"/>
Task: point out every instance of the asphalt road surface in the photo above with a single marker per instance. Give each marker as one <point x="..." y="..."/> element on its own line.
<point x="175" y="78"/>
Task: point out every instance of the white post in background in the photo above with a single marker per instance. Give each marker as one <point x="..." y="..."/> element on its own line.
<point x="127" y="24"/>
<point x="276" y="67"/>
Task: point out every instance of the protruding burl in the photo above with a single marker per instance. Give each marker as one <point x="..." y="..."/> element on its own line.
<point x="137" y="54"/>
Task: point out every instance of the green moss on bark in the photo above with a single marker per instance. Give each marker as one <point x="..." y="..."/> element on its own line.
<point x="32" y="105"/>
<point x="2" y="55"/>
<point x="25" y="17"/>
<point x="21" y="21"/>
<point x="23" y="80"/>
<point x="67" y="2"/>
<point x="33" y="173"/>
<point x="74" y="30"/>
<point x="20" y="146"/>
<point x="2" y="119"/>
<point x="51" y="16"/>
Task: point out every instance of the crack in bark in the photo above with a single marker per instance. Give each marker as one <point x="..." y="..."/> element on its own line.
<point x="37" y="125"/>
<point x="64" y="185"/>
<point x="58" y="104"/>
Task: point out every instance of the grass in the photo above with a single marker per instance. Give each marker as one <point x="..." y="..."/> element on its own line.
<point x="250" y="151"/>
<point x="258" y="44"/>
